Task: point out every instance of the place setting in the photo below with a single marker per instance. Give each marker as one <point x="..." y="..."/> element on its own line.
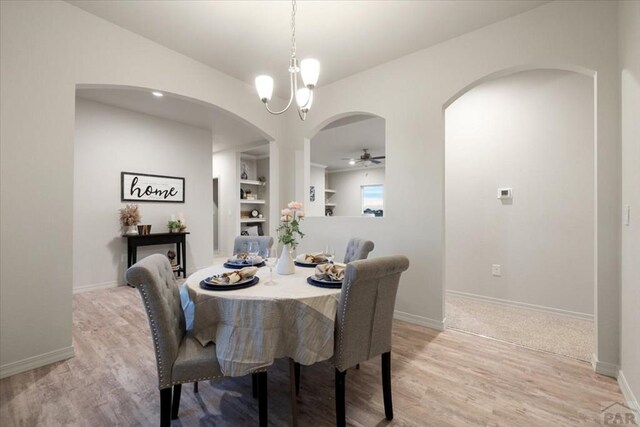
<point x="313" y="259"/>
<point x="328" y="275"/>
<point x="231" y="280"/>
<point x="244" y="259"/>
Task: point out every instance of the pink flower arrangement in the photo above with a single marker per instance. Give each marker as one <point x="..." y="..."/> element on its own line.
<point x="290" y="224"/>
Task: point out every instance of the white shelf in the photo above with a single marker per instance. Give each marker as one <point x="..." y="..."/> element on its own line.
<point x="329" y="190"/>
<point x="250" y="182"/>
<point x="330" y="205"/>
<point x="253" y="220"/>
<point x="252" y="202"/>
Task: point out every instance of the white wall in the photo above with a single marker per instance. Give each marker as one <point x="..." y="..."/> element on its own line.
<point x="348" y="186"/>
<point x="532" y="132"/>
<point x="134" y="142"/>
<point x="410" y="94"/>
<point x="316" y="208"/>
<point x="46" y="49"/>
<point x="630" y="115"/>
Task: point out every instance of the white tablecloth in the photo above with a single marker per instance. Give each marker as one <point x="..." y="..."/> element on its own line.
<point x="253" y="326"/>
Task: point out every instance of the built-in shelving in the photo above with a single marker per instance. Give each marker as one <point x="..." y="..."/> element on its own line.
<point x="328" y="206"/>
<point x="254" y="166"/>
<point x="252" y="220"/>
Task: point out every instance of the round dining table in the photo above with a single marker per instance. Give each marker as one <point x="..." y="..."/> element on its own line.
<point x="252" y="327"/>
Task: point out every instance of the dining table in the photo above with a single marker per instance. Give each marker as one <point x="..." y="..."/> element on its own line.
<point x="252" y="327"/>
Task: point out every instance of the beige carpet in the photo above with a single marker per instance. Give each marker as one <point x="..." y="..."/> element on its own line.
<point x="529" y="328"/>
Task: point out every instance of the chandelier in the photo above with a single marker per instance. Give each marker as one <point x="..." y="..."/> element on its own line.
<point x="309" y="69"/>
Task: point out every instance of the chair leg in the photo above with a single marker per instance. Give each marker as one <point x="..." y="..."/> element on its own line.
<point x="195" y="387"/>
<point x="341" y="420"/>
<point x="386" y="385"/>
<point x="175" y="406"/>
<point x="165" y="407"/>
<point x="254" y="385"/>
<point x="262" y="399"/>
<point x="297" y="370"/>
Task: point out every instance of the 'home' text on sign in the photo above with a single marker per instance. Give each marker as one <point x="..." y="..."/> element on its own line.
<point x="140" y="187"/>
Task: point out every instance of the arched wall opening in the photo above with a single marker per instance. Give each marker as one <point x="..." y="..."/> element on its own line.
<point x="345" y="161"/>
<point x="336" y="230"/>
<point x="126" y="129"/>
<point x="499" y="226"/>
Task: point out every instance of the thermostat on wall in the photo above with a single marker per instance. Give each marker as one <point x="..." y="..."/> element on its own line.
<point x="504" y="193"/>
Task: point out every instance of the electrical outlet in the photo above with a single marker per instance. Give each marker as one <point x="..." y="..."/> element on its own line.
<point x="496" y="270"/>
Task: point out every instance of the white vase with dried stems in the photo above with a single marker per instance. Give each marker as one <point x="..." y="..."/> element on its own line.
<point x="129" y="218"/>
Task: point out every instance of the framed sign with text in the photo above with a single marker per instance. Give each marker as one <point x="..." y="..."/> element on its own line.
<point x="142" y="187"/>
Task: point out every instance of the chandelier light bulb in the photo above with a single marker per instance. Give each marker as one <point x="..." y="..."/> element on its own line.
<point x="264" y="86"/>
<point x="310" y="71"/>
<point x="304" y="99"/>
<point x="352" y="162"/>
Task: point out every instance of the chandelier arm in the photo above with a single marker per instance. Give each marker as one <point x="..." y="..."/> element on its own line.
<point x="266" y="104"/>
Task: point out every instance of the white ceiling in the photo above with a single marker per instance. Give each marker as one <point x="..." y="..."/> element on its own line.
<point x="227" y="130"/>
<point x="346" y="140"/>
<point x="248" y="38"/>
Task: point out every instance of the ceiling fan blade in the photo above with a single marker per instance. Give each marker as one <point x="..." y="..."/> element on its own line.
<point x="378" y="157"/>
<point x="377" y="162"/>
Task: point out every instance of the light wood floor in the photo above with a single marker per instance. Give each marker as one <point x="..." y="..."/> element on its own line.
<point x="439" y="379"/>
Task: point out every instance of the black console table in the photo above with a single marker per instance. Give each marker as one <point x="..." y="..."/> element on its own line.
<point x="180" y="240"/>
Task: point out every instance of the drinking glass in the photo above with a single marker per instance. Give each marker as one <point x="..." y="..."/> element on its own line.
<point x="270" y="260"/>
<point x="253" y="249"/>
<point x="330" y="252"/>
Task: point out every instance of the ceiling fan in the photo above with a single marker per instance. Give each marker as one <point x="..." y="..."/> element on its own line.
<point x="365" y="159"/>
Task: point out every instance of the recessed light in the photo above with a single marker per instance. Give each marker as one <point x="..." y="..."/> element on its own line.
<point x="157" y="94"/>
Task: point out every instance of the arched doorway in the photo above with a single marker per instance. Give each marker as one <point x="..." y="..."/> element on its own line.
<point x="510" y="140"/>
<point x="129" y="129"/>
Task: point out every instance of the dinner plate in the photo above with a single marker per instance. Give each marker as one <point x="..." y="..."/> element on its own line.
<point x="299" y="261"/>
<point x="212" y="286"/>
<point x="324" y="283"/>
<point x="233" y="265"/>
<point x="308" y="264"/>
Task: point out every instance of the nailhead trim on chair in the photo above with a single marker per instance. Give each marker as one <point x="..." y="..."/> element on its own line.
<point x="344" y="311"/>
<point x="209" y="378"/>
<point x="156" y="344"/>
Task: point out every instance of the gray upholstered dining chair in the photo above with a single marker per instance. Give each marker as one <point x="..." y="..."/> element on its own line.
<point x="264" y="242"/>
<point x="180" y="358"/>
<point x="357" y="249"/>
<point x="364" y="322"/>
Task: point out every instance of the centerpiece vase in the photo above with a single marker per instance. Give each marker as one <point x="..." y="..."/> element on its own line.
<point x="285" y="262"/>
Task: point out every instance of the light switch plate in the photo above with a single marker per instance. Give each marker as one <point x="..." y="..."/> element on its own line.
<point x="626" y="214"/>
<point x="496" y="270"/>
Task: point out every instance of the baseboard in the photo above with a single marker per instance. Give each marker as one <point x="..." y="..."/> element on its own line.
<point x="419" y="320"/>
<point x="96" y="286"/>
<point x="632" y="401"/>
<point x="516" y="304"/>
<point x="604" y="368"/>
<point x="36" y="361"/>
